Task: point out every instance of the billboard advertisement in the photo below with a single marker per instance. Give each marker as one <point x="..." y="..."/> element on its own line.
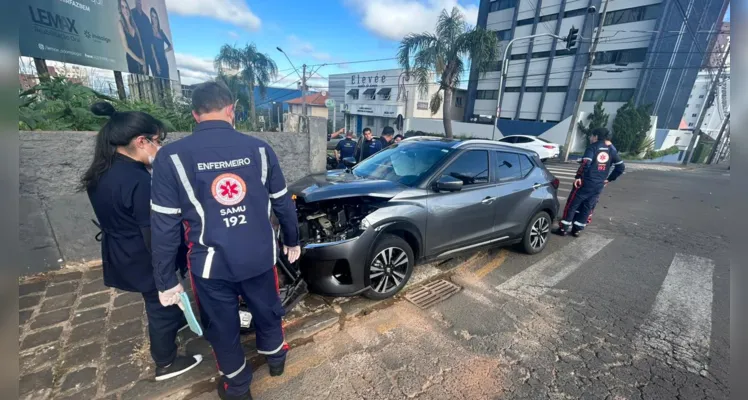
<point x="130" y="36"/>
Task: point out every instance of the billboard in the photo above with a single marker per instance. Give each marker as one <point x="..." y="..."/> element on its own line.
<point x="122" y="35"/>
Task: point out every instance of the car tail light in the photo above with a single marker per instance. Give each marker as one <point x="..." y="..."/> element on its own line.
<point x="555" y="182"/>
<point x="549" y="146"/>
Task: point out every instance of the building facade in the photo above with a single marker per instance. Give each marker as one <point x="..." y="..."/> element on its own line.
<point x="375" y="99"/>
<point x="646" y="53"/>
<point x="315" y="104"/>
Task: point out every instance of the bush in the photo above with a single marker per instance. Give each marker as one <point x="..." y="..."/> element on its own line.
<point x="652" y="154"/>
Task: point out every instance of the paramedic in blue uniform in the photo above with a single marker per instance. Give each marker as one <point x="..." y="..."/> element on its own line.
<point x="593" y="175"/>
<point x="345" y="148"/>
<point x="369" y="146"/>
<point x="387" y="137"/>
<point x="223" y="185"/>
<point x="118" y="184"/>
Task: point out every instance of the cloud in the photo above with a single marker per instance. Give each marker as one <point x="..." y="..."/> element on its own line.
<point x="233" y="35"/>
<point x="235" y="12"/>
<point x="393" y="19"/>
<point x="193" y="69"/>
<point x="301" y="48"/>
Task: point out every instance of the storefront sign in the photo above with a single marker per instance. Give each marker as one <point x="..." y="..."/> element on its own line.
<point x="368" y="81"/>
<point x="375" y="110"/>
<point x="422" y="105"/>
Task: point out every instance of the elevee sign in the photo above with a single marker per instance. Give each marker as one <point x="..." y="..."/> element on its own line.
<point x="375" y="110"/>
<point x="368" y="81"/>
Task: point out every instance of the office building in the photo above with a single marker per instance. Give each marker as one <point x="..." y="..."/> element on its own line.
<point x="646" y="53"/>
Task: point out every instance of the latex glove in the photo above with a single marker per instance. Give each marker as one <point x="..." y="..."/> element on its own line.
<point x="292" y="253"/>
<point x="171" y="296"/>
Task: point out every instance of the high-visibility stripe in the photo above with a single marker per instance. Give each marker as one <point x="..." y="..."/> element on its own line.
<point x="165" y="210"/>
<point x="278" y="195"/>
<point x="235" y="373"/>
<point x="263" y="165"/>
<point x="618" y="163"/>
<point x="198" y="208"/>
<point x="273" y="351"/>
<point x="272" y="235"/>
<point x="579" y="224"/>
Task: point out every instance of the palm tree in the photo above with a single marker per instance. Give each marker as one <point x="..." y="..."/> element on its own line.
<point x="444" y="53"/>
<point x="238" y="89"/>
<point x="255" y="69"/>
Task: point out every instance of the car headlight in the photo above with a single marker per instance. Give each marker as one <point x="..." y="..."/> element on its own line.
<point x="365" y="224"/>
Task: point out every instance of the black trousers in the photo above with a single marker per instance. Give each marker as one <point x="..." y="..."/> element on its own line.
<point x="163" y="325"/>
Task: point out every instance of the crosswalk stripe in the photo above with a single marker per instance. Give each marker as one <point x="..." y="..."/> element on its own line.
<point x="682" y="312"/>
<point x="564" y="174"/>
<point x="548" y="272"/>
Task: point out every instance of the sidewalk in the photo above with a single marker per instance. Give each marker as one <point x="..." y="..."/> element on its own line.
<point x="79" y="339"/>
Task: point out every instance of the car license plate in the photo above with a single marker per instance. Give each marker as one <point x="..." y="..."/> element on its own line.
<point x="245" y="319"/>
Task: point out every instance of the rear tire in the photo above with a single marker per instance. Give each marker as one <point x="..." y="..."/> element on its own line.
<point x="537" y="233"/>
<point x="390" y="267"/>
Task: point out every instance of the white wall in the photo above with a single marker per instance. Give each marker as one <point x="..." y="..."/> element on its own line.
<point x="676" y="138"/>
<point x="558" y="133"/>
<point x="478" y="131"/>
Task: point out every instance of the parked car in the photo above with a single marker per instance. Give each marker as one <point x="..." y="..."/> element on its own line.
<point x="544" y="148"/>
<point x="363" y="229"/>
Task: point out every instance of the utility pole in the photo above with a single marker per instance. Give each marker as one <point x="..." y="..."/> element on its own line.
<point x="725" y="147"/>
<point x="718" y="142"/>
<point x="41" y="69"/>
<point x="712" y="94"/>
<point x="303" y="87"/>
<point x="583" y="85"/>
<point x="120" y="85"/>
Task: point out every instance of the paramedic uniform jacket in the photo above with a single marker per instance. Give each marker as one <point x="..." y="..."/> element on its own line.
<point x="597" y="161"/>
<point x="222" y="185"/>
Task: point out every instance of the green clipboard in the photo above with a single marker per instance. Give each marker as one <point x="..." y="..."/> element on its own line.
<point x="190" y="315"/>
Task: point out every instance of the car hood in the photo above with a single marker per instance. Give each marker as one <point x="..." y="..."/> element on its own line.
<point x="339" y="184"/>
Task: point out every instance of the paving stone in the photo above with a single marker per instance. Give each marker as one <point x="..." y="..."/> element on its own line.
<point x="94" y="287"/>
<point x="121" y="353"/>
<point x="84" y="394"/>
<point x="50" y="318"/>
<point x="87" y="331"/>
<point x="81" y="317"/>
<point x="126" y="298"/>
<point x="41" y="337"/>
<point x="61" y="288"/>
<point x="127" y="313"/>
<point x="28" y="288"/>
<point x="92" y="275"/>
<point x="28" y="301"/>
<point x="38" y="358"/>
<point x="81" y="355"/>
<point x="57" y="302"/>
<point x="121" y="376"/>
<point x="94" y="300"/>
<point x="23" y="316"/>
<point x="36" y="380"/>
<point x="79" y="379"/>
<point x="70" y="276"/>
<point x="199" y="376"/>
<point x="125" y="331"/>
<point x="312" y="326"/>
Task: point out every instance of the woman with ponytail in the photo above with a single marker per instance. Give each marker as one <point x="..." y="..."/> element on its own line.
<point x="118" y="184"/>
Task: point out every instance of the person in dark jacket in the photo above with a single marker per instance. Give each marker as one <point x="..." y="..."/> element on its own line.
<point x="368" y="146"/>
<point x="224" y="185"/>
<point x="118" y="184"/>
<point x="345" y="148"/>
<point x="601" y="164"/>
<point x="387" y="136"/>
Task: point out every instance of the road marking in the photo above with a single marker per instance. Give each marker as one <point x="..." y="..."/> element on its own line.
<point x="548" y="272"/>
<point x="492" y="265"/>
<point x="680" y="322"/>
<point x="561" y="198"/>
<point x="564" y="174"/>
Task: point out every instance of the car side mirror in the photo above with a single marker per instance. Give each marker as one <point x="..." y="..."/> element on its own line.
<point x="349" y="162"/>
<point x="448" y="184"/>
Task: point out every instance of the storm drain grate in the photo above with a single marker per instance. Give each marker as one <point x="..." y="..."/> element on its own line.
<point x="432" y="293"/>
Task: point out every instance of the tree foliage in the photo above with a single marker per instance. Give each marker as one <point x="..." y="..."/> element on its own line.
<point x="254" y="69"/>
<point x="630" y="128"/>
<point x="61" y="105"/>
<point x="445" y="53"/>
<point x="597" y="119"/>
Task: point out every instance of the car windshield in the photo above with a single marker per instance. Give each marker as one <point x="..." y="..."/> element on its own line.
<point x="404" y="163"/>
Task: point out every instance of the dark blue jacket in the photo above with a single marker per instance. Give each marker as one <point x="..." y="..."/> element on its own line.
<point x="346" y="147"/>
<point x="121" y="201"/>
<point x="368" y="148"/>
<point x="597" y="161"/>
<point x="223" y="185"/>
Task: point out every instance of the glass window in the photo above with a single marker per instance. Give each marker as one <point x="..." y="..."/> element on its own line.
<point x="541" y="54"/>
<point x="509" y="139"/>
<point x="518" y="56"/>
<point x="694" y="115"/>
<point x="632" y="15"/>
<point x="498" y="5"/>
<point x="533" y="89"/>
<point x="513" y="89"/>
<point x="458" y="101"/>
<point x="575" y="13"/>
<point x="613" y="95"/>
<point x="471" y="167"/>
<point x="521" y="139"/>
<point x="556" y="89"/>
<point x="526" y="165"/>
<point x="370" y="121"/>
<point x="598" y="95"/>
<point x="547" y="18"/>
<point x="487" y="95"/>
<point x="405" y="163"/>
<point x="506" y="34"/>
<point x="527" y="21"/>
<point x="507" y="166"/>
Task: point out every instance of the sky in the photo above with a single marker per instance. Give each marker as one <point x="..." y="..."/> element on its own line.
<point x="311" y="32"/>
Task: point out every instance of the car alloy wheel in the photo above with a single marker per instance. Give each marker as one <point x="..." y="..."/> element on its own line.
<point x="539" y="232"/>
<point x="388" y="269"/>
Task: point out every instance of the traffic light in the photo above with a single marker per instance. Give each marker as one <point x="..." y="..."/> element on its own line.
<point x="571" y="39"/>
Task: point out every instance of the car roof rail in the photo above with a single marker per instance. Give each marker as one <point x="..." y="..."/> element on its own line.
<point x="476" y="141"/>
<point x="422" y="138"/>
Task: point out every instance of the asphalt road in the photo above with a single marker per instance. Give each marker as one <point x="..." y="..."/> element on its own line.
<point x="637" y="308"/>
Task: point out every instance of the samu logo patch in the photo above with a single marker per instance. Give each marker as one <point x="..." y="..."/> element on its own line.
<point x="229" y="189"/>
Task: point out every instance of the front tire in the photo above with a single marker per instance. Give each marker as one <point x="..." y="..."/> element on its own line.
<point x="389" y="268"/>
<point x="537" y="233"/>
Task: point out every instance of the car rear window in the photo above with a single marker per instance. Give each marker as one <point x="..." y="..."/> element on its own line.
<point x="508" y="166"/>
<point x="543" y="140"/>
<point x="526" y="164"/>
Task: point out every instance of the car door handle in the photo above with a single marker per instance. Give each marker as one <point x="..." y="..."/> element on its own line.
<point x="488" y="200"/>
<point x="536" y="186"/>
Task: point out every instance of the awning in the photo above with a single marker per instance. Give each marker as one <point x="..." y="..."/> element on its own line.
<point x="384" y="91"/>
<point x="369" y="92"/>
<point x="353" y="92"/>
